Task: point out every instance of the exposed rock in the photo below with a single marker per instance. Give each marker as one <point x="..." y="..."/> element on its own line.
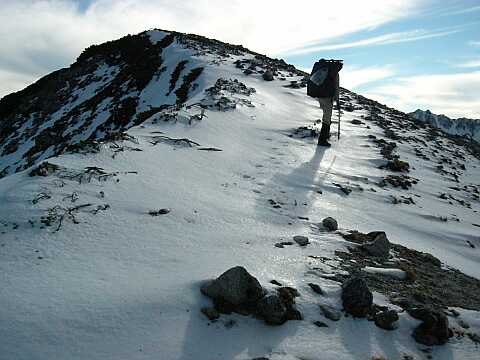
<point x="268" y="75"/>
<point x="301" y="240"/>
<point x="398" y="165"/>
<point x="234" y="289"/>
<point x="210" y="313"/>
<point x="275" y="282"/>
<point x="44" y="169"/>
<point x="379" y="246"/>
<point x="330" y="313"/>
<point x="386" y="319"/>
<point x="320" y="324"/>
<point x="330" y="224"/>
<point x="434" y="330"/>
<point x="316" y="288"/>
<point x="356" y="297"/>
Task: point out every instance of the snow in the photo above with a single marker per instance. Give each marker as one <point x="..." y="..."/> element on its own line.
<point x="395" y="273"/>
<point x="122" y="284"/>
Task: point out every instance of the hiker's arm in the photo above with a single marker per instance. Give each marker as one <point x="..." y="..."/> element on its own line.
<point x="337" y="91"/>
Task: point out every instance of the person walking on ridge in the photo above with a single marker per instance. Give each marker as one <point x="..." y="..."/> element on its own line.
<point x="324" y="84"/>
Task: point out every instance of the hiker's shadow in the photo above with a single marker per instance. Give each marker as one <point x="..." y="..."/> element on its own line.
<point x="299" y="188"/>
<point x="230" y="336"/>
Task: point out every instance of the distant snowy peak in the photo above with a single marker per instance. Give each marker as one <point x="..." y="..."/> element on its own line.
<point x="460" y="126"/>
<point x="114" y="86"/>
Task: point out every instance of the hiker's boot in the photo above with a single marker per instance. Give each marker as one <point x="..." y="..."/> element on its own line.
<point x="324" y="135"/>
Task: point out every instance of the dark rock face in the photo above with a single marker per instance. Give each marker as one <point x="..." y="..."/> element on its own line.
<point x="356" y="297"/>
<point x="434" y="330"/>
<point x="386" y="319"/>
<point x="330" y="224"/>
<point x="44" y="169"/>
<point x="379" y="246"/>
<point x="234" y="288"/>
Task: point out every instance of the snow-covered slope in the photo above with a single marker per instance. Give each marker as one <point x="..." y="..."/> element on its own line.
<point x="460" y="126"/>
<point x="91" y="269"/>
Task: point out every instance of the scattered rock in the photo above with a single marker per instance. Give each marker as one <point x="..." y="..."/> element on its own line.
<point x="234" y="290"/>
<point x="301" y="240"/>
<point x="397" y="165"/>
<point x="356" y="297"/>
<point x="330" y="313"/>
<point x="386" y="319"/>
<point x="330" y="224"/>
<point x="434" y="330"/>
<point x="275" y="282"/>
<point x="379" y="246"/>
<point x="320" y="324"/>
<point x="210" y="313"/>
<point x="316" y="288"/>
<point x="159" y="212"/>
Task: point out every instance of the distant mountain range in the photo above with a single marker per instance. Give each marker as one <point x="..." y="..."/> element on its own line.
<point x="460" y="126"/>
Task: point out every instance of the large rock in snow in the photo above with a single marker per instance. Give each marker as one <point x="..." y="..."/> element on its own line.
<point x="234" y="288"/>
<point x="356" y="297"/>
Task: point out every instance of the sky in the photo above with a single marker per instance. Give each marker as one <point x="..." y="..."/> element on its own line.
<point x="407" y="54"/>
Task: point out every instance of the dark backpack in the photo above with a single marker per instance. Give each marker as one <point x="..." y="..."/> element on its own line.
<point x="322" y="80"/>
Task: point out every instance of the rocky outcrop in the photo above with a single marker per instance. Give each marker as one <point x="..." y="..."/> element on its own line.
<point x="434" y="329"/>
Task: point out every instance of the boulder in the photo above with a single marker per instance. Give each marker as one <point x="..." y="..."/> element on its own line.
<point x="330" y="313"/>
<point x="356" y="297"/>
<point x="379" y="246"/>
<point x="233" y="289"/>
<point x="434" y="329"/>
<point x="301" y="240"/>
<point x="316" y="288"/>
<point x="330" y="224"/>
<point x="386" y="319"/>
<point x="268" y="75"/>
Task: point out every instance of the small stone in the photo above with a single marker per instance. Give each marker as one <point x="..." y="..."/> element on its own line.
<point x="386" y="319"/>
<point x="210" y="313"/>
<point x="301" y="240"/>
<point x="330" y="313"/>
<point x="320" y="324"/>
<point x="275" y="282"/>
<point x="316" y="288"/>
<point x="330" y="224"/>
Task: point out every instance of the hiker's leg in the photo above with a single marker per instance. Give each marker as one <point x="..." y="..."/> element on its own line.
<point x="327" y="106"/>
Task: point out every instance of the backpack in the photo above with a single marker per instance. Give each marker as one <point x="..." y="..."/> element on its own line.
<point x="322" y="81"/>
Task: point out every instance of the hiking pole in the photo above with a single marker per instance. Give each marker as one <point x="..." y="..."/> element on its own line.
<point x="338" y="123"/>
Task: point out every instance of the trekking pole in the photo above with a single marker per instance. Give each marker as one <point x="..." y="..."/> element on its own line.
<point x="338" y="123"/>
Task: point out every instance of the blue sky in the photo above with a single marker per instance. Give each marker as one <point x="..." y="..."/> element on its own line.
<point x="406" y="53"/>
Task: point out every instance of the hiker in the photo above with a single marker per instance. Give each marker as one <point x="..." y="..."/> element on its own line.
<point x="324" y="84"/>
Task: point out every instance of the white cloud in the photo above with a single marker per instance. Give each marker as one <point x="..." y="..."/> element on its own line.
<point x="392" y="38"/>
<point x="38" y="37"/>
<point x="470" y="64"/>
<point x="474" y="43"/>
<point x="454" y="95"/>
<point x="352" y="77"/>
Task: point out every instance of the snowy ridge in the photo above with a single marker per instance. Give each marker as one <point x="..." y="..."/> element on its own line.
<point x="104" y="246"/>
<point x="460" y="126"/>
